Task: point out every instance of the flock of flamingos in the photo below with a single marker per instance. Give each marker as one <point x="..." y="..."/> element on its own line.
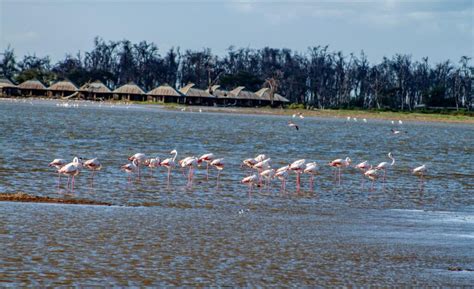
<point x="261" y="165"/>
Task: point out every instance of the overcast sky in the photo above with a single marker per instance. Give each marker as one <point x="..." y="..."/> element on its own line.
<point x="440" y="30"/>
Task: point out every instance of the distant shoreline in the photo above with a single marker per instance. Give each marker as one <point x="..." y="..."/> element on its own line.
<point x="323" y="113"/>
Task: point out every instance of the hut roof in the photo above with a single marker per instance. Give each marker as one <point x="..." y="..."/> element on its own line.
<point x="5" y="82"/>
<point x="32" y="84"/>
<point x="164" y="90"/>
<point x="264" y="93"/>
<point x="189" y="91"/>
<point x="129" y="88"/>
<point x="240" y="93"/>
<point x="96" y="86"/>
<point x="63" y="85"/>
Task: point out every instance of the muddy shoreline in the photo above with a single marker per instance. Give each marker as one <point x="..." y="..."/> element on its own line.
<point x="26" y="198"/>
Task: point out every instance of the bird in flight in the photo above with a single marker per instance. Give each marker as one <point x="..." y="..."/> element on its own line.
<point x="292" y="124"/>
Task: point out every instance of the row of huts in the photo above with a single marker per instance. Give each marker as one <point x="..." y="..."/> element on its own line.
<point x="188" y="94"/>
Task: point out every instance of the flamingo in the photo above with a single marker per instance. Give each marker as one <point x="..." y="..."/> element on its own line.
<point x="260" y="166"/>
<point x="292" y="124"/>
<point x="208" y="158"/>
<point x="190" y="162"/>
<point x="260" y="158"/>
<point x="338" y="163"/>
<point x="93" y="165"/>
<point x="372" y="174"/>
<point x="268" y="174"/>
<point x="298" y="166"/>
<point x="400" y="121"/>
<point x="152" y="163"/>
<point x="130" y="168"/>
<point x="72" y="169"/>
<point x="363" y="166"/>
<point x="140" y="157"/>
<point x="420" y="171"/>
<point x="282" y="175"/>
<point x="219" y="165"/>
<point x="58" y="163"/>
<point x="384" y="165"/>
<point x="311" y="169"/>
<point x="169" y="163"/>
<point x="300" y="115"/>
<point x="250" y="180"/>
<point x="364" y="120"/>
<point x="394" y="131"/>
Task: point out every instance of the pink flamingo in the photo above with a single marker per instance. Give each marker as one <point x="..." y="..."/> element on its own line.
<point x="338" y="163"/>
<point x="190" y="162"/>
<point x="298" y="167"/>
<point x="219" y="165"/>
<point x="208" y="158"/>
<point x="71" y="170"/>
<point x="311" y="169"/>
<point x="130" y="169"/>
<point x="250" y="181"/>
<point x="58" y="163"/>
<point x="420" y="171"/>
<point x="140" y="160"/>
<point x="169" y="163"/>
<point x="268" y="175"/>
<point x="372" y="174"/>
<point x="152" y="163"/>
<point x="282" y="175"/>
<point x="363" y="166"/>
<point x="93" y="165"/>
<point x="384" y="165"/>
<point x="260" y="166"/>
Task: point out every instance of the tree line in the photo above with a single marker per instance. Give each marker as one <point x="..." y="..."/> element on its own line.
<point x="318" y="78"/>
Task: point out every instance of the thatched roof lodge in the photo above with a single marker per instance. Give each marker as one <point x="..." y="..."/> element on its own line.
<point x="130" y="91"/>
<point x="32" y="87"/>
<point x="95" y="90"/>
<point x="7" y="88"/>
<point x="264" y="94"/>
<point x="62" y="88"/>
<point x="165" y="93"/>
<point x="197" y="96"/>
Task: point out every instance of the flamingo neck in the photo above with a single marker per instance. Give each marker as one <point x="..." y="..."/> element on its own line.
<point x="175" y="155"/>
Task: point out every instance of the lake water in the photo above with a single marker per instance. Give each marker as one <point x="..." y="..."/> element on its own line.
<point x="155" y="234"/>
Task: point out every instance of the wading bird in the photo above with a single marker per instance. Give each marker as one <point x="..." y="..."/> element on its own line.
<point x="372" y="174"/>
<point x="58" y="163"/>
<point x="71" y="170"/>
<point x="250" y="181"/>
<point x="130" y="168"/>
<point x="152" y="163"/>
<point x="219" y="165"/>
<point x="338" y="163"/>
<point x="208" y="158"/>
<point x="282" y="175"/>
<point x="363" y="166"/>
<point x="140" y="159"/>
<point x="169" y="163"/>
<point x="420" y="171"/>
<point x="311" y="169"/>
<point x="292" y="124"/>
<point x="93" y="165"/>
<point x="384" y="165"/>
<point x="298" y="167"/>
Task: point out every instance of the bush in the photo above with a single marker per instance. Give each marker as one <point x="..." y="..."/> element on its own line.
<point x="296" y="106"/>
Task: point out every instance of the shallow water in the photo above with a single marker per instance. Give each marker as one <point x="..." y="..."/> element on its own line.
<point x="204" y="234"/>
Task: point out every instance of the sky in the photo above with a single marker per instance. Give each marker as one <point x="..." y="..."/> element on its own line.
<point x="439" y="30"/>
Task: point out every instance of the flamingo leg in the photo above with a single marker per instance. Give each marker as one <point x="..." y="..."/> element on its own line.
<point x="207" y="171"/>
<point x="339" y="169"/>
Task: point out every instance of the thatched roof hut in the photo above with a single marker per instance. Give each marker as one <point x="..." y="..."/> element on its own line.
<point x="94" y="90"/>
<point x="264" y="94"/>
<point x="165" y="93"/>
<point x="7" y="88"/>
<point x="95" y="87"/>
<point x="131" y="91"/>
<point x="32" y="84"/>
<point x="63" y="85"/>
<point x="197" y="96"/>
<point x="240" y="93"/>
<point x="32" y="87"/>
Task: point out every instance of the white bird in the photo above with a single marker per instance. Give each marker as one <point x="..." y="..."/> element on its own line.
<point x="393" y="122"/>
<point x="260" y="158"/>
<point x="364" y="120"/>
<point x="311" y="169"/>
<point x="219" y="165"/>
<point x="207" y="158"/>
<point x="93" y="165"/>
<point x="400" y="121"/>
<point x="372" y="174"/>
<point x="140" y="157"/>
<point x="384" y="165"/>
<point x="282" y="175"/>
<point x="292" y="124"/>
<point x="250" y="181"/>
<point x="348" y="118"/>
<point x="169" y="163"/>
<point x="58" y="163"/>
<point x="355" y="118"/>
<point x="152" y="163"/>
<point x="298" y="167"/>
<point x="338" y="163"/>
<point x="71" y="170"/>
<point x="420" y="171"/>
<point x="130" y="168"/>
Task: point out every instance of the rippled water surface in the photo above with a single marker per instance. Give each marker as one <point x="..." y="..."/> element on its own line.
<point x="155" y="234"/>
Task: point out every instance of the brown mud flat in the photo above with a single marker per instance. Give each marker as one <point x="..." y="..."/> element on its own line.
<point x="23" y="197"/>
